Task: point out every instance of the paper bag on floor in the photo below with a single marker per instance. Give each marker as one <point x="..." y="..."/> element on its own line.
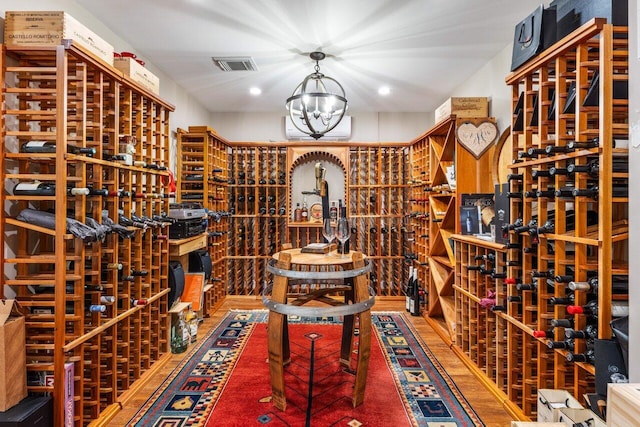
<point x="13" y="357"/>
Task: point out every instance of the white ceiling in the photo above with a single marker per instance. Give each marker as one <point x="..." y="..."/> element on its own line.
<point x="421" y="49"/>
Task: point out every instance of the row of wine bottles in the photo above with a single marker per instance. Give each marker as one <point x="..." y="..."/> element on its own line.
<point x="37" y="147"/>
<point x="415" y="295"/>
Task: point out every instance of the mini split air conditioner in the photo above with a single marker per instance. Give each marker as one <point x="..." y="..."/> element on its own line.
<point x="341" y="132"/>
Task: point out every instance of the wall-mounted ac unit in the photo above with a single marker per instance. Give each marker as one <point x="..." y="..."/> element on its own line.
<point x="341" y="132"/>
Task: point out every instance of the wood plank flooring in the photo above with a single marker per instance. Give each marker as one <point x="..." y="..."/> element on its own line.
<point x="489" y="410"/>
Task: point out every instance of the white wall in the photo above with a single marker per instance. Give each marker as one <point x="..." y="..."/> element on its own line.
<point x="489" y="81"/>
<point x="366" y="127"/>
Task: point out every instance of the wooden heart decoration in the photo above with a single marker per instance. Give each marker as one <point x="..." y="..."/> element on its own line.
<point x="476" y="137"/>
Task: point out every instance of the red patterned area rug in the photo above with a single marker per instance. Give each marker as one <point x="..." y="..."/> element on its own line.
<point x="224" y="380"/>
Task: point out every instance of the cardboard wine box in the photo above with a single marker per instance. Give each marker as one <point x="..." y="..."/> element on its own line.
<point x="463" y="107"/>
<point x="48" y="28"/>
<point x="136" y="72"/>
<point x="13" y="355"/>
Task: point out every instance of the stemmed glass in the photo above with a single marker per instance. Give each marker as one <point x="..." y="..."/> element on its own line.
<point x="329" y="230"/>
<point x="343" y="232"/>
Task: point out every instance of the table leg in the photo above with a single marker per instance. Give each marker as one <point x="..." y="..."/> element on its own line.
<point x="348" y="329"/>
<point x="278" y="342"/>
<point x="361" y="293"/>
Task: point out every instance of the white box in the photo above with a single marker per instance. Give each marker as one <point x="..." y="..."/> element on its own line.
<point x="572" y="416"/>
<point x="623" y="405"/>
<point x="47" y="28"/>
<point x="550" y="400"/>
<point x="137" y="73"/>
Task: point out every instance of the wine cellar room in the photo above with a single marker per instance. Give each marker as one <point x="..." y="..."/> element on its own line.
<point x="468" y="172"/>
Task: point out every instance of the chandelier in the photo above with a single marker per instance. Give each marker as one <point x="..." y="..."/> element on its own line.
<point x="318" y="103"/>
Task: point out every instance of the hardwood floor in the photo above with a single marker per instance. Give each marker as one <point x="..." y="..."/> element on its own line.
<point x="490" y="410"/>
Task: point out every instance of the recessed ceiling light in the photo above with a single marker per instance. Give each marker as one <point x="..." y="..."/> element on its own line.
<point x="255" y="91"/>
<point x="384" y="90"/>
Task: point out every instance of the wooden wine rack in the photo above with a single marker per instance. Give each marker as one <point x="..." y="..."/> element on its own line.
<point x="435" y="216"/>
<point x="578" y="246"/>
<point x="64" y="95"/>
<point x="203" y="178"/>
<point x="262" y="220"/>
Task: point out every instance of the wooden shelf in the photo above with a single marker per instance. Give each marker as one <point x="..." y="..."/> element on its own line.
<point x="578" y="246"/>
<point x="77" y="101"/>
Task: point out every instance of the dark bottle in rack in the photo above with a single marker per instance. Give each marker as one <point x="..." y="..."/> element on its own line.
<point x="515" y="177"/>
<point x="586" y="357"/>
<point x="589" y="332"/>
<point x="539" y="173"/>
<point x="565" y="345"/>
<point x="561" y="323"/>
<point x="553" y="171"/>
<point x="565" y="300"/>
<point x="547" y="227"/>
<point x="408" y="290"/>
<point x="618" y="308"/>
<point x="543" y="334"/>
<point x="415" y="297"/>
<point x="531" y="153"/>
<point x="514" y="194"/>
<point x="50" y="147"/>
<point x="618" y="190"/>
<point x="577" y="145"/>
<point x="554" y="149"/>
<point x="550" y="192"/>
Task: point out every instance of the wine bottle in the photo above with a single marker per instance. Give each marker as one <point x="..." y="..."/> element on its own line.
<point x="586" y="357"/>
<point x="576" y="145"/>
<point x="553" y="149"/>
<point x="514" y="194"/>
<point x="138" y="302"/>
<point x="590" y="331"/>
<point x="137" y="273"/>
<point x="97" y="308"/>
<point x="415" y="297"/>
<point x="539" y="173"/>
<point x="112" y="266"/>
<point x="526" y="286"/>
<point x="618" y="308"/>
<point x="107" y="299"/>
<point x="50" y="147"/>
<point x="566" y="344"/>
<point x="550" y="192"/>
<point x="565" y="300"/>
<point x="543" y="334"/>
<point x="618" y="190"/>
<point x="553" y="171"/>
<point x="619" y="285"/>
<point x="515" y="177"/>
<point x="409" y="289"/>
<point x="36" y="188"/>
<point x="535" y="152"/>
<point x="561" y="323"/>
<point x="547" y="227"/>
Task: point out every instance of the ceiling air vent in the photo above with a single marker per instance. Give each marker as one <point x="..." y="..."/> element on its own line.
<point x="235" y="63"/>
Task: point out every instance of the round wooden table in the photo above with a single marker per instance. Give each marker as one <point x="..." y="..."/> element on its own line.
<point x="292" y="265"/>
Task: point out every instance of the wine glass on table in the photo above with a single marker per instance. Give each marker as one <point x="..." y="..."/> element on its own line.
<point x="343" y="232"/>
<point x="329" y="230"/>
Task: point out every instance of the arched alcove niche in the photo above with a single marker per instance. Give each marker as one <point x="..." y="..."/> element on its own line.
<point x="302" y="175"/>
